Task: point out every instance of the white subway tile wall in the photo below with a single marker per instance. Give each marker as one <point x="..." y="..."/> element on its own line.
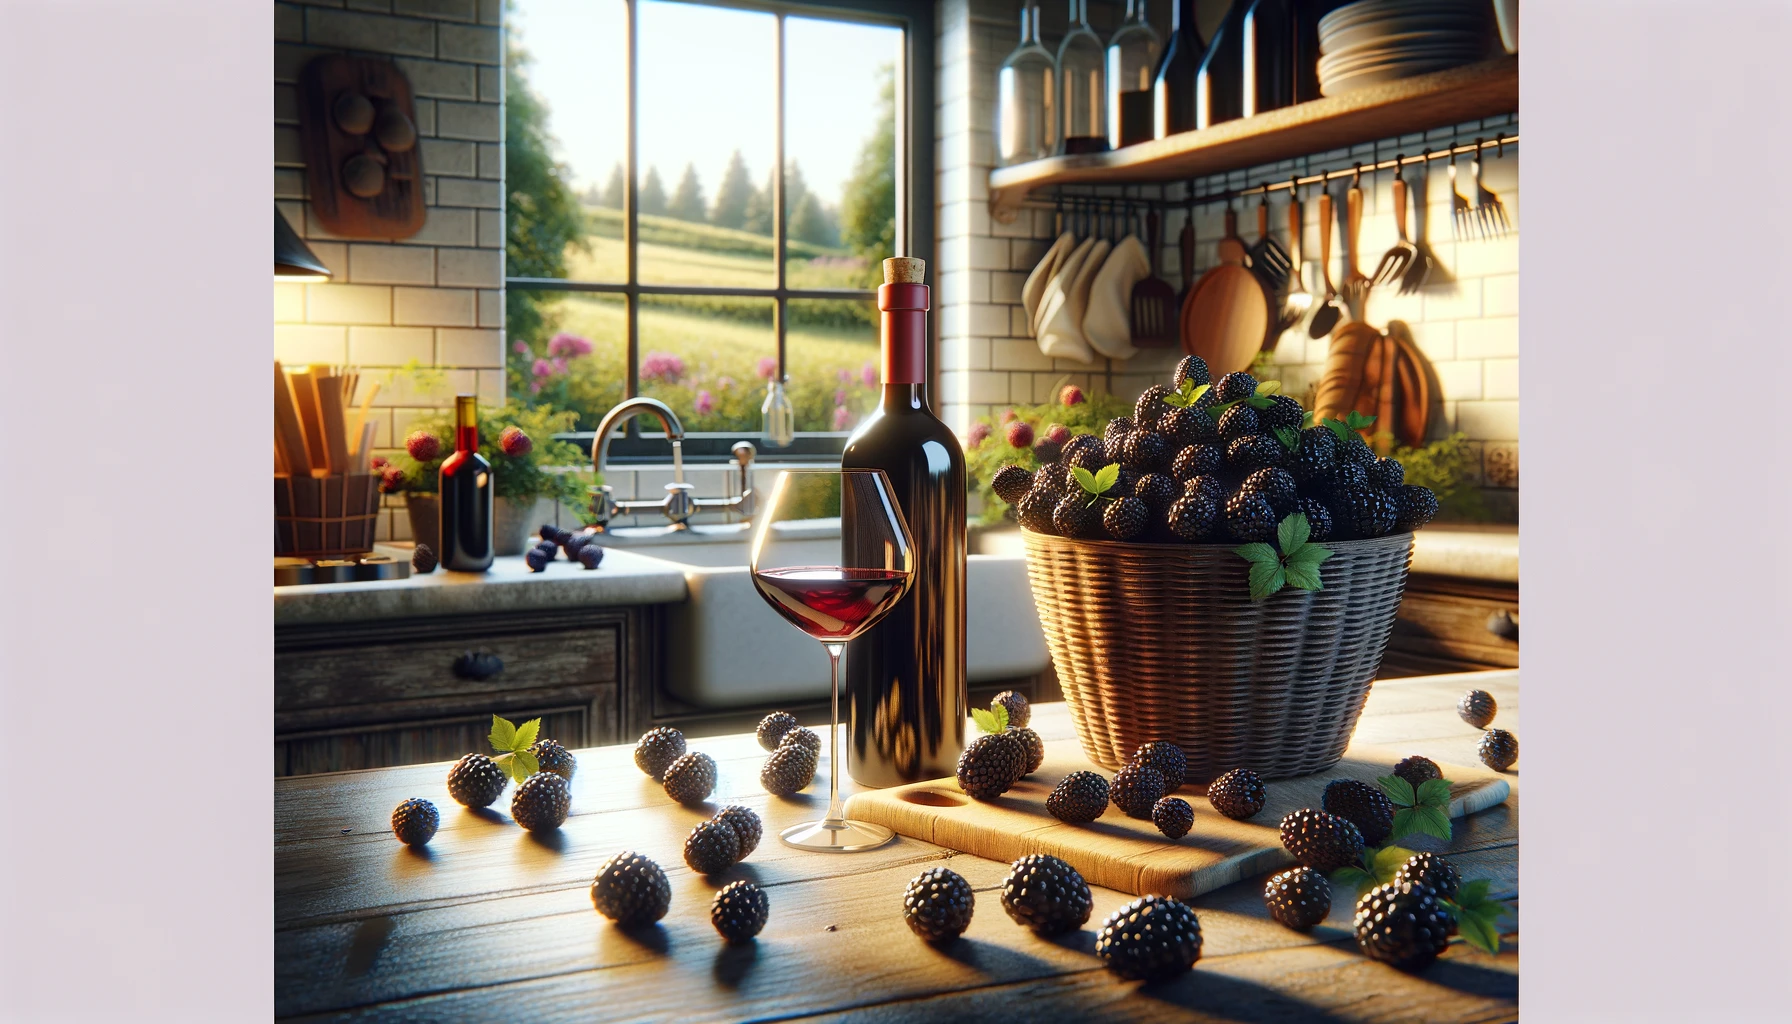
<point x="436" y="298"/>
<point x="1466" y="321"/>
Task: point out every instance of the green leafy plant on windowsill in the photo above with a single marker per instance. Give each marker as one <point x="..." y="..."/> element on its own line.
<point x="1446" y="466"/>
<point x="540" y="472"/>
<point x="987" y="449"/>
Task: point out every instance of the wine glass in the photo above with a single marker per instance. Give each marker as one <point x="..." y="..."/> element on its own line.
<point x="832" y="597"/>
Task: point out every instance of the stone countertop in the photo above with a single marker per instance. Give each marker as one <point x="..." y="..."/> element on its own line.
<point x="1479" y="552"/>
<point x="624" y="578"/>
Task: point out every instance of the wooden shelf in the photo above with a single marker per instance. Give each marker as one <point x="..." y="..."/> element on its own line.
<point x="1382" y="111"/>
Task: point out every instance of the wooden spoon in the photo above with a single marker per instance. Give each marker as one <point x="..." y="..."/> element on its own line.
<point x="1227" y="313"/>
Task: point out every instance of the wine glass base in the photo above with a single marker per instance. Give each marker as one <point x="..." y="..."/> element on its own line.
<point x="836" y="836"/>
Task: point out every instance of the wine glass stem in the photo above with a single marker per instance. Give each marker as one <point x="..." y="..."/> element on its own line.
<point x="834" y="815"/>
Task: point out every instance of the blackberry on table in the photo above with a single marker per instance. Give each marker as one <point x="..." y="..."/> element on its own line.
<point x="1191" y="517"/>
<point x="1046" y="895"/>
<point x="937" y="905"/>
<point x="631" y="890"/>
<point x="691" y="778"/>
<point x="1498" y="749"/>
<point x="805" y="736"/>
<point x="1321" y="840"/>
<point x="1418" y="770"/>
<point x="1135" y="789"/>
<point x="1145" y="451"/>
<point x="1414" y="506"/>
<point x="1477" y="708"/>
<point x="1250" y="517"/>
<point x="1363" y="805"/>
<point x="423" y="560"/>
<point x="1151" y="406"/>
<point x="591" y="555"/>
<point x="772" y="728"/>
<point x="746" y="825"/>
<point x="414" y="822"/>
<point x="1079" y="796"/>
<point x="1173" y="816"/>
<point x="1433" y="871"/>
<point x="1277" y="485"/>
<point x="1032" y="747"/>
<point x="1074" y="517"/>
<point x="476" y="781"/>
<point x="789" y="770"/>
<point x="1239" y="421"/>
<point x="1299" y="898"/>
<point x="1190" y="368"/>
<point x="1151" y="938"/>
<point x="657" y="749"/>
<point x="1126" y="518"/>
<point x="1020" y="712"/>
<point x="537" y="559"/>
<point x="1011" y="482"/>
<point x="711" y="848"/>
<point x="739" y="911"/>
<point x="1386" y="474"/>
<point x="1167" y="758"/>
<point x="1237" y="794"/>
<point x="1402" y="923"/>
<point x="550" y="756"/>
<point x="1319" y="518"/>
<point x="1235" y="387"/>
<point x="991" y="765"/>
<point x="541" y="803"/>
<point x="1255" y="451"/>
<point x="1197" y="460"/>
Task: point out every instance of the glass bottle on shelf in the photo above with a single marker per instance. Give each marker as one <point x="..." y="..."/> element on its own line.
<point x="1082" y="72"/>
<point x="777" y="417"/>
<point x="1268" y="56"/>
<point x="1173" y="83"/>
<point x="1132" y="57"/>
<point x="1219" y="84"/>
<point x="1026" y="97"/>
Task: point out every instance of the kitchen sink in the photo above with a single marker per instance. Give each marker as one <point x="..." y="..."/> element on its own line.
<point x="726" y="648"/>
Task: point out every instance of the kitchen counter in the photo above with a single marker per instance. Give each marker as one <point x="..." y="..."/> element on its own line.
<point x="1466" y="550"/>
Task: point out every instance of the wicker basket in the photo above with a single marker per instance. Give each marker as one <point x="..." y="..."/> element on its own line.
<point x="1162" y="642"/>
<point x="325" y="517"/>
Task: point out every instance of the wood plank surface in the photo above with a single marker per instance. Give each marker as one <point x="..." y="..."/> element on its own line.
<point x="495" y="924"/>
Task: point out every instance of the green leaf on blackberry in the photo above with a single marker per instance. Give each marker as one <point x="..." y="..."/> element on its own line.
<point x="1306" y="419"/>
<point x="1099" y="481"/>
<point x="1398" y="790"/>
<point x="1477" y="916"/>
<point x="1425" y="809"/>
<point x="1189" y="394"/>
<point x="991" y="721"/>
<point x="1297" y="564"/>
<point x="1357" y="421"/>
<point x="1269" y="387"/>
<point x="1289" y="437"/>
<point x="1354" y="879"/>
<point x="503" y="737"/>
<point x="518" y="764"/>
<point x="1293" y="532"/>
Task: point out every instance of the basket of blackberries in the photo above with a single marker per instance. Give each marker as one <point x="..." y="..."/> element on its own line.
<point x="1218" y="571"/>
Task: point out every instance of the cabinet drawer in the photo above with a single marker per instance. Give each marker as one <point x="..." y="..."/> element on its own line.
<point x="420" y="741"/>
<point x="1448" y="621"/>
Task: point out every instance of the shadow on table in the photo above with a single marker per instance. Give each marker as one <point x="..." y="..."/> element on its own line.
<point x="733" y="961"/>
<point x="996" y="960"/>
<point x="1219" y="998"/>
<point x="552" y="842"/>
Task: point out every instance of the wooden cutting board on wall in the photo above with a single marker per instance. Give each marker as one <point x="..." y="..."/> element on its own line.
<point x="1129" y="854"/>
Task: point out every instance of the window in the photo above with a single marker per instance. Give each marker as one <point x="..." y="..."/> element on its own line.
<point x="649" y="143"/>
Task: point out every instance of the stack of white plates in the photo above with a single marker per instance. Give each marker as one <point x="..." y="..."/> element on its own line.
<point x="1374" y="41"/>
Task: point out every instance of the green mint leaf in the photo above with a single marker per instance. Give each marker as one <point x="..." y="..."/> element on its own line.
<point x="503" y="735"/>
<point x="986" y="720"/>
<point x="1107" y="477"/>
<point x="1309" y="554"/>
<point x="1292" y="532"/>
<point x="1432" y="822"/>
<point x="1398" y="790"/>
<point x="1269" y="387"/>
<point x="511" y="765"/>
<point x="1353" y="879"/>
<point x="527" y="763"/>
<point x="1259" y="402"/>
<point x="1405" y="822"/>
<point x="1303" y="575"/>
<point x="1306" y="419"/>
<point x="1338" y="429"/>
<point x="526" y="733"/>
<point x="1357" y="421"/>
<point x="1266" y="579"/>
<point x="1195" y="393"/>
<point x="1289" y="437"/>
<point x="1388" y="860"/>
<point x="1000" y="714"/>
<point x="1479" y="933"/>
<point x="1085" y="479"/>
<point x="1474" y="892"/>
<point x="1216" y="411"/>
<point x="1434" y="793"/>
<point x="1258" y="552"/>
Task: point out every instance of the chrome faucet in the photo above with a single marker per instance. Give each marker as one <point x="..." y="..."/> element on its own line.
<point x="678" y="505"/>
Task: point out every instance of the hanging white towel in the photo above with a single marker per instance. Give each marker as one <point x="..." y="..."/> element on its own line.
<point x="1059" y="336"/>
<point x="1034" y="289"/>
<point x="1107" y="323"/>
<point x="1076" y="298"/>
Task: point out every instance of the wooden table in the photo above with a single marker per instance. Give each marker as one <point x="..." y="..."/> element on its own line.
<point x="493" y="923"/>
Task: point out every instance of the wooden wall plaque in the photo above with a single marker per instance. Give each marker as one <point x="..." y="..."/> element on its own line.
<point x="363" y="165"/>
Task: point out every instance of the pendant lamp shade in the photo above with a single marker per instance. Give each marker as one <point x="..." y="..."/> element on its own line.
<point x="293" y="259"/>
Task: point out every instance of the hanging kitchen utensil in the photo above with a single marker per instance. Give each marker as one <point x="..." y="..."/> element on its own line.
<point x="1154" y="309"/>
<point x="1266" y="257"/>
<point x="1462" y="212"/>
<point x="1425" y="266"/>
<point x="1227" y="313"/>
<point x="1185" y="246"/>
<point x="1400" y="255"/>
<point x="1379" y="375"/>
<point x="1356" y="285"/>
<point x="1490" y="213"/>
<point x="1298" y="300"/>
<point x="1326" y="316"/>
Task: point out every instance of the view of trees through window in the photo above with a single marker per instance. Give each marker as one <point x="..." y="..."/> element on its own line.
<point x="707" y="141"/>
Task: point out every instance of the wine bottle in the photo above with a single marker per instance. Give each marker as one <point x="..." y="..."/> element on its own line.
<point x="1269" y="78"/>
<point x="1132" y="57"/>
<point x="1219" y="84"/>
<point x="466" y="496"/>
<point x="1082" y="70"/>
<point x="1173" y="86"/>
<point x="905" y="676"/>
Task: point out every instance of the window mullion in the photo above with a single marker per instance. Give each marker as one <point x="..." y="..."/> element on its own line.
<point x="631" y="210"/>
<point x="780" y="314"/>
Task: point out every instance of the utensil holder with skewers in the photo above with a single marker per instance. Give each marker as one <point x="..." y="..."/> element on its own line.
<point x="325" y="517"/>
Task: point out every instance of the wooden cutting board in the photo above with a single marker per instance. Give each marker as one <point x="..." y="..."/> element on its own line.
<point x="1126" y="853"/>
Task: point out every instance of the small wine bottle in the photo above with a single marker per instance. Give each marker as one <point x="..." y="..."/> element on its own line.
<point x="466" y="496"/>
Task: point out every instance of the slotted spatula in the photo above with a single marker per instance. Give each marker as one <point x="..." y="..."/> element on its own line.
<point x="1155" y="311"/>
<point x="1268" y="260"/>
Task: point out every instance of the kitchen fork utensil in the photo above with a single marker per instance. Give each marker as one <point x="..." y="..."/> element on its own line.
<point x="1462" y="216"/>
<point x="1298" y="299"/>
<point x="1424" y="261"/>
<point x="1268" y="260"/>
<point x="1400" y="255"/>
<point x="1490" y="213"/>
<point x="1155" y="312"/>
<point x="1326" y="316"/>
<point x="1356" y="284"/>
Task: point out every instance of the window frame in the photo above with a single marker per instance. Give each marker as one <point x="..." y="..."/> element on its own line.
<point x="914" y="218"/>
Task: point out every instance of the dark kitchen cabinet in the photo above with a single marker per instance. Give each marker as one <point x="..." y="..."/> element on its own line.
<point x="1453" y="624"/>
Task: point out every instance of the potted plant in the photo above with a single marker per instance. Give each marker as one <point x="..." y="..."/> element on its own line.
<point x="527" y="465"/>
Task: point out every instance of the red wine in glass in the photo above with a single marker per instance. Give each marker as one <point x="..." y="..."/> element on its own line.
<point x="830" y="602"/>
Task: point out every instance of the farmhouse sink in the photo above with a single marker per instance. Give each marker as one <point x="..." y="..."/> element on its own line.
<point x="726" y="648"/>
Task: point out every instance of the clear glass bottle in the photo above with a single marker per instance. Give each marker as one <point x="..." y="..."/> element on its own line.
<point x="1082" y="71"/>
<point x="1173" y="83"/>
<point x="777" y="417"/>
<point x="1132" y="57"/>
<point x="1026" y="97"/>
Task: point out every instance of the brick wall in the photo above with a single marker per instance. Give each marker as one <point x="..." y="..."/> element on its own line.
<point x="1468" y="327"/>
<point x="436" y="298"/>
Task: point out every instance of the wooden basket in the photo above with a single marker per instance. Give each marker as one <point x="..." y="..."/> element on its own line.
<point x="325" y="517"/>
<point x="1163" y="642"/>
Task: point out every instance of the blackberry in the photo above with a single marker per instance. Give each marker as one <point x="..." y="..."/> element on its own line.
<point x="631" y="890"/>
<point x="746" y="825"/>
<point x="1173" y="816"/>
<point x="1355" y="450"/>
<point x="1299" y="898"/>
<point x="1235" y="387"/>
<point x="789" y="770"/>
<point x="1151" y="406"/>
<point x="1114" y="434"/>
<point x="1136" y="788"/>
<point x="1498" y="749"/>
<point x="1011" y="482"/>
<point x="1277" y="485"/>
<point x="1346" y="474"/>
<point x="1401" y="923"/>
<point x="1192" y="517"/>
<point x="1151" y="938"/>
<point x="591" y="555"/>
<point x="541" y="802"/>
<point x="1157" y="491"/>
<point x="1208" y="485"/>
<point x="1167" y="758"/>
<point x="711" y="848"/>
<point x="1182" y="427"/>
<point x="1250" y="517"/>
<point x="1144" y="450"/>
<point x="476" y="781"/>
<point x="1074" y="517"/>
<point x="1319" y="518"/>
<point x="1126" y="518"/>
<point x="1363" y="806"/>
<point x="1092" y="457"/>
<point x="1047" y="451"/>
<point x="1124" y="484"/>
<point x="739" y="911"/>
<point x="1282" y="412"/>
<point x="657" y="749"/>
<point x="423" y="560"/>
<point x="1019" y="711"/>
<point x="1080" y="796"/>
<point x="1197" y="460"/>
<point x="550" y="756"/>
<point x="1316" y="456"/>
<point x="1239" y="421"/>
<point x="990" y="765"/>
<point x="773" y="727"/>
<point x="1414" y="506"/>
<point x="805" y="736"/>
<point x="1255" y="451"/>
<point x="1032" y="749"/>
<point x="1199" y="426"/>
<point x="937" y="905"/>
<point x="1418" y="770"/>
<point x="1190" y="368"/>
<point x="1082" y="442"/>
<point x="537" y="559"/>
<point x="1035" y="510"/>
<point x="1432" y="871"/>
<point x="1320" y="840"/>
<point x="1238" y="794"/>
<point x="415" y="821"/>
<point x="1364" y="512"/>
<point x="1046" y="895"/>
<point x="691" y="778"/>
<point x="1386" y="474"/>
<point x="1477" y="708"/>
